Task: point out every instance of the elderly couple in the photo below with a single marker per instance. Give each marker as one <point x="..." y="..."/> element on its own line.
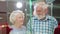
<point x="42" y="23"/>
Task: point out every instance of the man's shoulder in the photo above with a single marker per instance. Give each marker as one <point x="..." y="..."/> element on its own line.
<point x="51" y="17"/>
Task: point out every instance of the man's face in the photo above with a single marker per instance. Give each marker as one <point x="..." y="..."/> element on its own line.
<point x="39" y="10"/>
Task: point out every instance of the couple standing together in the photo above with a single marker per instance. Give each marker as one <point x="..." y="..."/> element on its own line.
<point x="42" y="23"/>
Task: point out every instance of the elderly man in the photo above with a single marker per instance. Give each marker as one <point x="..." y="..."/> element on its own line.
<point x="42" y="23"/>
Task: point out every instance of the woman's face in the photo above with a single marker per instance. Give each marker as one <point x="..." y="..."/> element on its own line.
<point x="19" y="19"/>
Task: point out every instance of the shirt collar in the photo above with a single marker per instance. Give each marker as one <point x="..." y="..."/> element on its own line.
<point x="46" y="18"/>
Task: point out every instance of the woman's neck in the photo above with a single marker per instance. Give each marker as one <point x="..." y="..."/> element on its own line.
<point x="17" y="26"/>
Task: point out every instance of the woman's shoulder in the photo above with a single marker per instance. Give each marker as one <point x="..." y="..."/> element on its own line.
<point x="21" y="30"/>
<point x="24" y="27"/>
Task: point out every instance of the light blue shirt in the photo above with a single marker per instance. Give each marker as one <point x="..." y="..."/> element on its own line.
<point x="18" y="31"/>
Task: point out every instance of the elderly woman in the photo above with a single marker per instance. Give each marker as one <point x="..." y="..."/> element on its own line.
<point x="17" y="19"/>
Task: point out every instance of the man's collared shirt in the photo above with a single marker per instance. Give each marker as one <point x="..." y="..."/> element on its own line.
<point x="45" y="26"/>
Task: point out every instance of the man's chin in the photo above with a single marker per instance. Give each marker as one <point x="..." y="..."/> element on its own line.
<point x="40" y="15"/>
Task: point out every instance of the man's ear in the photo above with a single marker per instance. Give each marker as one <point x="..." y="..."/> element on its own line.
<point x="46" y="10"/>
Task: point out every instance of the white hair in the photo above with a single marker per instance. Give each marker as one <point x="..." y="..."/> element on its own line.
<point x="13" y="15"/>
<point x="42" y="4"/>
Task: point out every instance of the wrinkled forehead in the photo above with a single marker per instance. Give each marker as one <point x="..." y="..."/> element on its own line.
<point x="41" y="3"/>
<point x="19" y="16"/>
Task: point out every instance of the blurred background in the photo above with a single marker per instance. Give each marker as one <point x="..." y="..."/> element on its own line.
<point x="7" y="6"/>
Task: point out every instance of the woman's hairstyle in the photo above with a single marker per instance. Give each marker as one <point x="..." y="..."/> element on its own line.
<point x="13" y="15"/>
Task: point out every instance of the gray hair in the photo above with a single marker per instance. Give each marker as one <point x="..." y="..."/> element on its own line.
<point x="13" y="15"/>
<point x="41" y="4"/>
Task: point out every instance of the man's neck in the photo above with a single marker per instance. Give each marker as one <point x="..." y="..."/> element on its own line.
<point x="41" y="17"/>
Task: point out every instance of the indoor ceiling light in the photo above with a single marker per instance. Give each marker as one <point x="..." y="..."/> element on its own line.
<point x="19" y="5"/>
